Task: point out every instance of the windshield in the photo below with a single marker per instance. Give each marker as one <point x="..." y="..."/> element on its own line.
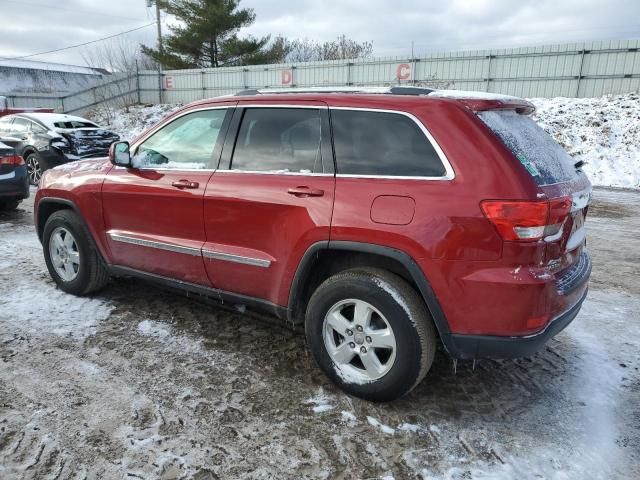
<point x="541" y="155"/>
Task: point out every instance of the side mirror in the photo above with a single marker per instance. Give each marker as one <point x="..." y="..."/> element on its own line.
<point x="119" y="154"/>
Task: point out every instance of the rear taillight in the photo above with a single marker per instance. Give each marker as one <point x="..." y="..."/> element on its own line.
<point x="524" y="221"/>
<point x="12" y="160"/>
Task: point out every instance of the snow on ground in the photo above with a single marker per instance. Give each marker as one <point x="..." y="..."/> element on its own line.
<point x="603" y="131"/>
<point x="137" y="383"/>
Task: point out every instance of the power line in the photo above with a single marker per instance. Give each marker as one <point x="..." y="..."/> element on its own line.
<point x="78" y="45"/>
<point x="58" y="7"/>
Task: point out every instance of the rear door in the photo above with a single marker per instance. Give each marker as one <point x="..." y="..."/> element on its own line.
<point x="153" y="212"/>
<point x="271" y="198"/>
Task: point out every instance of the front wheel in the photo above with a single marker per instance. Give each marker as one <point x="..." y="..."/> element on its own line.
<point x="71" y="258"/>
<point x="34" y="168"/>
<point x="371" y="334"/>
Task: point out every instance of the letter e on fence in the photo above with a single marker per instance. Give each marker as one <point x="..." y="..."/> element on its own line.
<point x="286" y="77"/>
<point x="168" y="82"/>
<point x="404" y="71"/>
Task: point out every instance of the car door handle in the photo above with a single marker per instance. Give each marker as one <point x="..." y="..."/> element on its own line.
<point x="185" y="184"/>
<point x="305" y="192"/>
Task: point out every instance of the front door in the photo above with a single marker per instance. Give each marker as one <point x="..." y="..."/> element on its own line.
<point x="153" y="211"/>
<point x="271" y="198"/>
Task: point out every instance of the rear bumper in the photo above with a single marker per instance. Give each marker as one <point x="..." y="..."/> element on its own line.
<point x="485" y="346"/>
<point x="15" y="185"/>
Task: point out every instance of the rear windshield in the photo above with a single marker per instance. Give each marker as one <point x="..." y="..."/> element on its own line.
<point x="75" y="124"/>
<point x="540" y="154"/>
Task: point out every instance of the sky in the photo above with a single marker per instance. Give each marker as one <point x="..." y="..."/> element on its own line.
<point x="33" y="26"/>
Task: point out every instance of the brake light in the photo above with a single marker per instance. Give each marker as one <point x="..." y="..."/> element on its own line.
<point x="12" y="160"/>
<point x="525" y="221"/>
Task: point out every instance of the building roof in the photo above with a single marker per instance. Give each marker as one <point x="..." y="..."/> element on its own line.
<point x="56" y="67"/>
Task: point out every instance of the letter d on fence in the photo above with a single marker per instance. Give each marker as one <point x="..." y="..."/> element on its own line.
<point x="286" y="77"/>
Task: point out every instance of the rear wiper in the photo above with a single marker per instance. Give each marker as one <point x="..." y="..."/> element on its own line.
<point x="579" y="164"/>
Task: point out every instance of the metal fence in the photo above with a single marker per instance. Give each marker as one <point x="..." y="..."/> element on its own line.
<point x="570" y="70"/>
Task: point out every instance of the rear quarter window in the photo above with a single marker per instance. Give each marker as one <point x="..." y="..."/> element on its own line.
<point x="382" y="144"/>
<point x="545" y="160"/>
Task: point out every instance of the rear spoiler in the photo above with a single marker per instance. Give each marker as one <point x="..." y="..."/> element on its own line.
<point x="481" y="101"/>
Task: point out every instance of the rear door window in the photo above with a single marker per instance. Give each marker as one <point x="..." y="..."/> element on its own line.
<point x="382" y="144"/>
<point x="279" y="140"/>
<point x="541" y="155"/>
<point x="21" y="126"/>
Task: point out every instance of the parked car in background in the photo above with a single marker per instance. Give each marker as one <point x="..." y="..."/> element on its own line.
<point x="383" y="222"/>
<point x="51" y="139"/>
<point x="14" y="182"/>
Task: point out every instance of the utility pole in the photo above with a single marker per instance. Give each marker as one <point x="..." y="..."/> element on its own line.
<point x="158" y="24"/>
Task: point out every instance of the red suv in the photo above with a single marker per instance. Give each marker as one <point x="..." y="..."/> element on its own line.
<point x="381" y="221"/>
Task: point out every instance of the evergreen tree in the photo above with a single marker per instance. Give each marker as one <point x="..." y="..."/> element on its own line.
<point x="208" y="36"/>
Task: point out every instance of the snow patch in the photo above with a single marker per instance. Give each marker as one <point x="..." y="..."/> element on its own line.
<point x="321" y="401"/>
<point x="383" y="428"/>
<point x="394" y="293"/>
<point x="149" y="328"/>
<point x="410" y="427"/>
<point x="348" y="417"/>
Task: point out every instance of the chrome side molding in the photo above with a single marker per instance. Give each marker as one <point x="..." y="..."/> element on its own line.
<point x="197" y="252"/>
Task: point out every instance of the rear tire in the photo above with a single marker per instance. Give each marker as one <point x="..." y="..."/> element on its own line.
<point x="8" y="205"/>
<point x="34" y="168"/>
<point x="72" y="260"/>
<point x="378" y="355"/>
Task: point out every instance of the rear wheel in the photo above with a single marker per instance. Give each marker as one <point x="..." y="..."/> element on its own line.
<point x="9" y="204"/>
<point x="34" y="168"/>
<point x="71" y="259"/>
<point x="370" y="332"/>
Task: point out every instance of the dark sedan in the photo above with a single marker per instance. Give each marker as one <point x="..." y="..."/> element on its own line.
<point x="14" y="183"/>
<point x="51" y="139"/>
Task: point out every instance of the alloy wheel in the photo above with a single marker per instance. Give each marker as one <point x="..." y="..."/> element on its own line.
<point x="33" y="169"/>
<point x="64" y="253"/>
<point x="359" y="340"/>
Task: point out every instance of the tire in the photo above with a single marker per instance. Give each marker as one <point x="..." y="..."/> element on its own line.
<point x="90" y="274"/>
<point x="34" y="168"/>
<point x="8" y="205"/>
<point x="393" y="307"/>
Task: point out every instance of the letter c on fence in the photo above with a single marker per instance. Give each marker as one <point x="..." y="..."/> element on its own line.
<point x="403" y="72"/>
<point x="168" y="82"/>
<point x="286" y="76"/>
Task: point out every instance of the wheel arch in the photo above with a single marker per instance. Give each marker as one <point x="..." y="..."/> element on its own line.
<point x="324" y="259"/>
<point x="49" y="205"/>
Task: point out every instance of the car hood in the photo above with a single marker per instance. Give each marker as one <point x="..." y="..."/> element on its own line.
<point x="76" y="171"/>
<point x="73" y="168"/>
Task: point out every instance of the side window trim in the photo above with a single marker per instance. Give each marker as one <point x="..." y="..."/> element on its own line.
<point x="326" y="144"/>
<point x="449" y="172"/>
<point x="217" y="149"/>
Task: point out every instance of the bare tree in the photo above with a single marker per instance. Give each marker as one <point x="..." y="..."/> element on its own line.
<point x="307" y="50"/>
<point x="120" y="59"/>
<point x="118" y="55"/>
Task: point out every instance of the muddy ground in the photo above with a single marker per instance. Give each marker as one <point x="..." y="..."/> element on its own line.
<point x="139" y="383"/>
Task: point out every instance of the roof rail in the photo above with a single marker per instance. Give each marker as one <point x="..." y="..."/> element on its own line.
<point x="382" y="90"/>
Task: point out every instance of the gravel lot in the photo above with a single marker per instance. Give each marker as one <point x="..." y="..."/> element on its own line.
<point x="140" y="383"/>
